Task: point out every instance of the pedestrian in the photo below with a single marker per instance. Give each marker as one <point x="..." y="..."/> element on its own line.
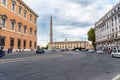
<point x="8" y="50"/>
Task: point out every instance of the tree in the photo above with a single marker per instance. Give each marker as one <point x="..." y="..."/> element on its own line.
<point x="45" y="47"/>
<point x="91" y="36"/>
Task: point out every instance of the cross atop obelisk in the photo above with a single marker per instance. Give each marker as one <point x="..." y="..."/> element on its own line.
<point x="51" y="32"/>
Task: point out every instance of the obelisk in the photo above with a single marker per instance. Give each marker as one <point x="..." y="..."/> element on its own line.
<point x="51" y="35"/>
<point x="51" y="31"/>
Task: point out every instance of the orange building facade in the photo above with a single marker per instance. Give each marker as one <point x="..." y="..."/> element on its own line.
<point x="18" y="26"/>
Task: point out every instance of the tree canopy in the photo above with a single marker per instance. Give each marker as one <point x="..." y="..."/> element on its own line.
<point x="91" y="36"/>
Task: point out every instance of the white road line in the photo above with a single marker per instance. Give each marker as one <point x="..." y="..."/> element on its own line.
<point x="117" y="77"/>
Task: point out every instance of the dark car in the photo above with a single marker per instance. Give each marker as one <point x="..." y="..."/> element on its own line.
<point x="40" y="51"/>
<point x="2" y="53"/>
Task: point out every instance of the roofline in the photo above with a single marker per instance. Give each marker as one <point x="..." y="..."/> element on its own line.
<point x="114" y="6"/>
<point x="28" y="8"/>
<point x="70" y="41"/>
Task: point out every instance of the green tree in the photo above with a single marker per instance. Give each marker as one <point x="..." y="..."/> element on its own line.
<point x="91" y="36"/>
<point x="45" y="47"/>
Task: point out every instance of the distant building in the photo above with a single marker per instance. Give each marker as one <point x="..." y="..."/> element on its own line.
<point x="18" y="25"/>
<point x="71" y="45"/>
<point x="107" y="29"/>
<point x="66" y="44"/>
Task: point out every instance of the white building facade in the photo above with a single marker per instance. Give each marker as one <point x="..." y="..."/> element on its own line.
<point x="107" y="29"/>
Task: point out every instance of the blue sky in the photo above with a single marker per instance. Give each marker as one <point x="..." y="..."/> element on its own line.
<point x="71" y="18"/>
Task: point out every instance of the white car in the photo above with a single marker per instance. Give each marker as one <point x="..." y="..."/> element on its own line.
<point x="77" y="50"/>
<point x="115" y="53"/>
<point x="91" y="51"/>
<point x="100" y="52"/>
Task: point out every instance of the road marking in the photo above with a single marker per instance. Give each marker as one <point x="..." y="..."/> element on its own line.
<point x="117" y="77"/>
<point x="28" y="58"/>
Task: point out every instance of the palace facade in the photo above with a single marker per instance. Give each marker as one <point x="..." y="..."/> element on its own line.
<point x="70" y="45"/>
<point x="18" y="25"/>
<point x="107" y="29"/>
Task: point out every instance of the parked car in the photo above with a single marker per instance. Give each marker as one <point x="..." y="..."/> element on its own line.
<point x="100" y="52"/>
<point x="2" y="53"/>
<point x="91" y="51"/>
<point x="77" y="50"/>
<point x="39" y="51"/>
<point x="115" y="53"/>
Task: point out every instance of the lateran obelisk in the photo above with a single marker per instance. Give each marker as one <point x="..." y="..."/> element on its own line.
<point x="50" y="46"/>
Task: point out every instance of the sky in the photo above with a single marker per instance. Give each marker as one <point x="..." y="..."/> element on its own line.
<point x="71" y="18"/>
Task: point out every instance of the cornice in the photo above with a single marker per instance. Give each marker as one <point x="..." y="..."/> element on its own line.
<point x="28" y="7"/>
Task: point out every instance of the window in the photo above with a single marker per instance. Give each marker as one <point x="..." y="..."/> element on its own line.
<point x="20" y="10"/>
<point x="119" y="15"/>
<point x="24" y="44"/>
<point x="116" y="28"/>
<point x="4" y="2"/>
<point x="12" y="42"/>
<point x="25" y="28"/>
<point x="30" y="43"/>
<point x="12" y="25"/>
<point x="115" y="35"/>
<point x="13" y="5"/>
<point x="112" y="36"/>
<point x="25" y="13"/>
<point x="2" y="41"/>
<point x="113" y="30"/>
<point x="112" y="24"/>
<point x="19" y="43"/>
<point x="3" y="22"/>
<point x="19" y="27"/>
<point x="112" y="19"/>
<point x="114" y="10"/>
<point x="115" y="18"/>
<point x="30" y="31"/>
<point x="118" y="8"/>
<point x="30" y="17"/>
<point x="35" y="33"/>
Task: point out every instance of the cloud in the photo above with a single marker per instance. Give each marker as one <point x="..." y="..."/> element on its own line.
<point x="71" y="18"/>
<point x="71" y="33"/>
<point x="82" y="2"/>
